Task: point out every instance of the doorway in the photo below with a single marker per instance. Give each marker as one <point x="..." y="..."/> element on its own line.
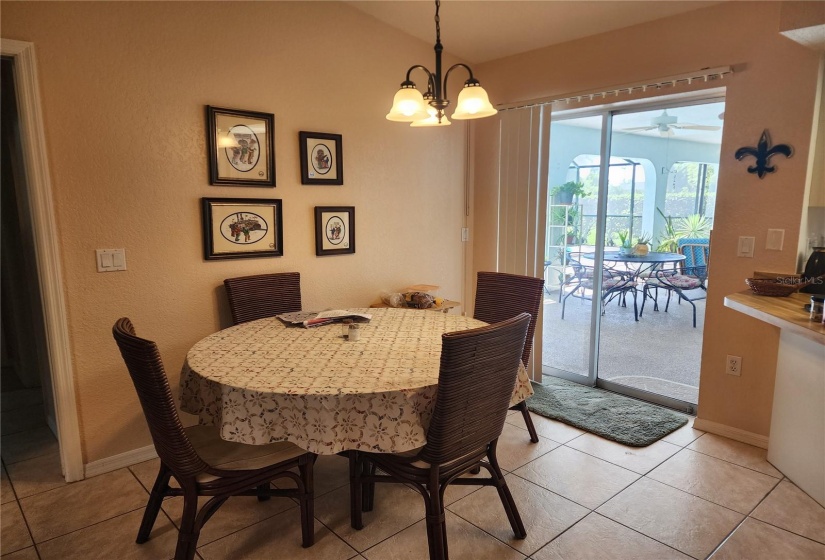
<point x="657" y="183"/>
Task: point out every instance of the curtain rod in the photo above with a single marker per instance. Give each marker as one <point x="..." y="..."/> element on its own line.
<point x="704" y="74"/>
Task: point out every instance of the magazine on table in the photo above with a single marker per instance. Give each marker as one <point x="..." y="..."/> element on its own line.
<point x="309" y="319"/>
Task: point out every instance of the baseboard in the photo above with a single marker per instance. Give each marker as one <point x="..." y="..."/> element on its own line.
<point x="730" y="432"/>
<point x="116" y="462"/>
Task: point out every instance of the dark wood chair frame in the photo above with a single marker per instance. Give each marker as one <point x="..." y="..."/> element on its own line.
<point x="463" y="433"/>
<point x="263" y="295"/>
<point x="179" y="459"/>
<point x="501" y="296"/>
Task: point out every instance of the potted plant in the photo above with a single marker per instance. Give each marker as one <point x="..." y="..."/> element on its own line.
<point x="625" y="245"/>
<point x="564" y="193"/>
<point x="642" y="247"/>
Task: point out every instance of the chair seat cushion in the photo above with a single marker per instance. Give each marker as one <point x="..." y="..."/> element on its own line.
<point x="677" y="280"/>
<point x="228" y="455"/>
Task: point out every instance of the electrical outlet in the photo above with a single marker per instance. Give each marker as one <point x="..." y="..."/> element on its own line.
<point x="733" y="365"/>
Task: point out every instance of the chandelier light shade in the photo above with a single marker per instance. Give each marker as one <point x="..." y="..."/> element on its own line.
<point x="428" y="109"/>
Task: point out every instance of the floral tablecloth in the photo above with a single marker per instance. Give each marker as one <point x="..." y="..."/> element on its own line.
<point x="263" y="382"/>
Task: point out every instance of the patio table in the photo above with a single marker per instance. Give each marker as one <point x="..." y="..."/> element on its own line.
<point x="263" y="382"/>
<point x="646" y="264"/>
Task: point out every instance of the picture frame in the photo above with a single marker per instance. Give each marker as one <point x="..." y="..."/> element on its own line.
<point x="334" y="230"/>
<point x="322" y="158"/>
<point x="237" y="228"/>
<point x="241" y="147"/>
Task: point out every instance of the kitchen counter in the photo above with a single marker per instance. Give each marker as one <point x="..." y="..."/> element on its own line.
<point x="797" y="440"/>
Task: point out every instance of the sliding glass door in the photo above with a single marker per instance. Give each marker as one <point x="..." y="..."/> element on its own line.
<point x="607" y="320"/>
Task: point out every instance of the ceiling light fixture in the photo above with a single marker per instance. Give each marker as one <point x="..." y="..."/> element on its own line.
<point x="409" y="105"/>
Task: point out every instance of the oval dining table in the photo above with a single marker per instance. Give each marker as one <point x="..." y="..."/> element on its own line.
<point x="263" y="381"/>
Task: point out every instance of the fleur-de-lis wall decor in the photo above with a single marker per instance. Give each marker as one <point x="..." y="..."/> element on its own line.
<point x="763" y="152"/>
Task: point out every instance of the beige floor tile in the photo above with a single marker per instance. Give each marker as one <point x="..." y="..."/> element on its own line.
<point x="36" y="475"/>
<point x="80" y="504"/>
<point x="330" y="472"/>
<point x="577" y="476"/>
<point x="464" y="542"/>
<point x="515" y="449"/>
<point x="791" y="509"/>
<point x="544" y="514"/>
<point x="455" y="492"/>
<point x="717" y="481"/>
<point x="599" y="538"/>
<point x="675" y="518"/>
<point x="147" y="471"/>
<point x="25" y="554"/>
<point x="277" y="538"/>
<point x="22" y="419"/>
<point x="636" y="459"/>
<point x="15" y="534"/>
<point x="28" y="445"/>
<point x="235" y="514"/>
<point x="755" y="540"/>
<point x="396" y="507"/>
<point x="549" y="428"/>
<point x="6" y="491"/>
<point x="114" y="538"/>
<point x="684" y="435"/>
<point x="735" y="452"/>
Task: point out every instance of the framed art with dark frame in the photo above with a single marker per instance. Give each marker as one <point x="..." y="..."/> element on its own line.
<point x="241" y="147"/>
<point x="334" y="230"/>
<point x="237" y="228"/>
<point x="322" y="159"/>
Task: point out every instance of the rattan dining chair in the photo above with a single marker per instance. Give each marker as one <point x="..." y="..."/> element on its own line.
<point x="463" y="432"/>
<point x="501" y="296"/>
<point x="201" y="462"/>
<point x="263" y="295"/>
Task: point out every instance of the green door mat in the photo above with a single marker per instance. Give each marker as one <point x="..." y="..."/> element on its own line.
<point x="603" y="413"/>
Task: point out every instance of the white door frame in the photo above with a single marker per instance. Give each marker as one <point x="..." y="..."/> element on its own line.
<point x="47" y="253"/>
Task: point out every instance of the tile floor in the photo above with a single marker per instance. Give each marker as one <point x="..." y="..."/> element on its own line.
<point x="689" y="495"/>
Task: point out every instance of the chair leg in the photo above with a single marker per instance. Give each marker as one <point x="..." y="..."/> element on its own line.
<point x="504" y="494"/>
<point x="355" y="491"/>
<point x="368" y="488"/>
<point x="436" y="522"/>
<point x="525" y="412"/>
<point x="153" y="506"/>
<point x="263" y="492"/>
<point x="189" y="532"/>
<point x="307" y="503"/>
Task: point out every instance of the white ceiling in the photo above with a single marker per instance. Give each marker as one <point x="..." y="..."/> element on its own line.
<point x="481" y="30"/>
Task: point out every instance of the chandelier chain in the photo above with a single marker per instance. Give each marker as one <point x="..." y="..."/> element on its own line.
<point x="437" y="22"/>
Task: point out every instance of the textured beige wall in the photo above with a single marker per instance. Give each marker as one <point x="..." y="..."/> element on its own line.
<point x="773" y="87"/>
<point x="124" y="86"/>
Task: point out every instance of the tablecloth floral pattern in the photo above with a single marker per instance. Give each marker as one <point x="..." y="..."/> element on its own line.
<point x="263" y="382"/>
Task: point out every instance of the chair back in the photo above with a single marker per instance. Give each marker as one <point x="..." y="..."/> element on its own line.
<point x="263" y="295"/>
<point x="501" y="296"/>
<point x="149" y="377"/>
<point x="478" y="373"/>
<point x="696" y="260"/>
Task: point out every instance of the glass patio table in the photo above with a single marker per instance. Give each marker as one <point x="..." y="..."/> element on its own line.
<point x="262" y="381"/>
<point x="644" y="265"/>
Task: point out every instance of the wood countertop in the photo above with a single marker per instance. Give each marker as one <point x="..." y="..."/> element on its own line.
<point x="783" y="312"/>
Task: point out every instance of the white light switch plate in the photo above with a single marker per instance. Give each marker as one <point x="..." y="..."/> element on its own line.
<point x="776" y="238"/>
<point x="110" y="260"/>
<point x="745" y="247"/>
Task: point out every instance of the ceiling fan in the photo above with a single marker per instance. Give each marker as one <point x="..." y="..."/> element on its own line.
<point x="667" y="124"/>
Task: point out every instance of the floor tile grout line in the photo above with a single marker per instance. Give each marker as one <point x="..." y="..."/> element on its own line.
<point x="628" y="527"/>
<point x="90" y="525"/>
<point x="26" y="521"/>
<point x="765" y="497"/>
<point x="622" y="467"/>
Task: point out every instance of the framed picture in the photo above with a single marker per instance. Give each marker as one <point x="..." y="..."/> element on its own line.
<point x="241" y="147"/>
<point x="334" y="230"/>
<point x="236" y="228"/>
<point x="322" y="160"/>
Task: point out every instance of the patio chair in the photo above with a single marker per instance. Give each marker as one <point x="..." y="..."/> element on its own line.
<point x="616" y="284"/>
<point x="688" y="281"/>
<point x="263" y="295"/>
<point x="463" y="431"/>
<point x="202" y="463"/>
<point x="501" y="296"/>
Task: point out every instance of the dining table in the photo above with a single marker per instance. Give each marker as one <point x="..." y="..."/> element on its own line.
<point x="638" y="266"/>
<point x="266" y="381"/>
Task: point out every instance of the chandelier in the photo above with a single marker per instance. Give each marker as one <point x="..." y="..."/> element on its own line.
<point x="409" y="105"/>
